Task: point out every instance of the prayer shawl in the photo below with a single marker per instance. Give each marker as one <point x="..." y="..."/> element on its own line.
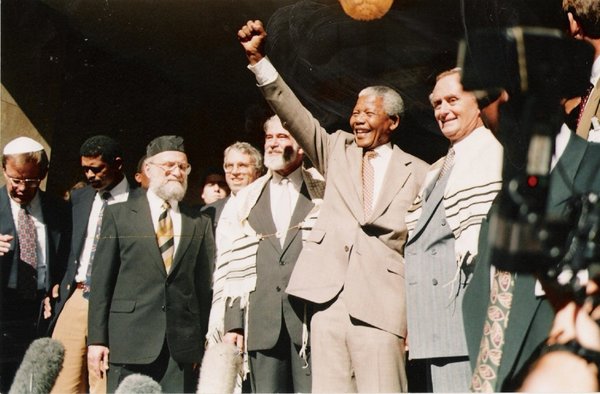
<point x="237" y="244"/>
<point x="475" y="180"/>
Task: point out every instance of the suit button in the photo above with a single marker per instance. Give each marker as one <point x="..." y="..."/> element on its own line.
<point x="433" y="251"/>
<point x="278" y="289"/>
<point x="346" y="248"/>
<point x="163" y="308"/>
<point x="281" y="262"/>
<point x="443" y="222"/>
<point x="167" y="284"/>
<point x="434" y="282"/>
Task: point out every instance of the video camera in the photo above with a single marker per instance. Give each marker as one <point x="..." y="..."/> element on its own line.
<point x="538" y="68"/>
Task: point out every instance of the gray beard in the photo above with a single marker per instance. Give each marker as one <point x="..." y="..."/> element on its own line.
<point x="169" y="190"/>
<point x="279" y="161"/>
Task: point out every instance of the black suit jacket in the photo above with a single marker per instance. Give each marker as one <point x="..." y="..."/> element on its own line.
<point x="577" y="171"/>
<point x="135" y="305"/>
<point x="58" y="226"/>
<point x="81" y="207"/>
<point x="213" y="210"/>
<point x="270" y="306"/>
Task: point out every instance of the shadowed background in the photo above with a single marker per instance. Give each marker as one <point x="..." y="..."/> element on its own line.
<point x="136" y="69"/>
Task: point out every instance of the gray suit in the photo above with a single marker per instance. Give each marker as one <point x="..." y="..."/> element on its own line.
<point x="276" y="318"/>
<point x="434" y="297"/>
<point x="345" y="250"/>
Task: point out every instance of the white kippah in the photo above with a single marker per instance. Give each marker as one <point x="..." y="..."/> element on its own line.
<point x="22" y="145"/>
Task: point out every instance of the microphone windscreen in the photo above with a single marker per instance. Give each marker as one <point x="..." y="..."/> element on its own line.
<point x="138" y="384"/>
<point x="39" y="369"/>
<point x="221" y="365"/>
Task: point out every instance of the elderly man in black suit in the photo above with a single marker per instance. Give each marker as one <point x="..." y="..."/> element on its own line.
<point x="152" y="293"/>
<point x="34" y="243"/>
<point x="102" y="164"/>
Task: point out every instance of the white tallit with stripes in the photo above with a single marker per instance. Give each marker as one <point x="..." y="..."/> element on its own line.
<point x="475" y="180"/>
<point x="237" y="244"/>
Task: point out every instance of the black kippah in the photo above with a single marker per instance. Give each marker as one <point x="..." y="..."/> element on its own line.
<point x="165" y="143"/>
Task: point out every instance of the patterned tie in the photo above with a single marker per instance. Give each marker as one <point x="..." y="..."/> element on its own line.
<point x="368" y="182"/>
<point x="282" y="210"/>
<point x="164" y="236"/>
<point x="485" y="375"/>
<point x="88" y="274"/>
<point x="448" y="163"/>
<point x="583" y="103"/>
<point x="27" y="270"/>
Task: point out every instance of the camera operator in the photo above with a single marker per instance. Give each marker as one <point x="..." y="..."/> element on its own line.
<point x="506" y="320"/>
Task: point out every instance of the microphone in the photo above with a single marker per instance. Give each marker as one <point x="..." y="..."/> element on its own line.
<point x="39" y="369"/>
<point x="221" y="365"/>
<point x="138" y="384"/>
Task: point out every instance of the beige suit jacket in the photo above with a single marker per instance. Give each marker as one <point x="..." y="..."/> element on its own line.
<point x="363" y="255"/>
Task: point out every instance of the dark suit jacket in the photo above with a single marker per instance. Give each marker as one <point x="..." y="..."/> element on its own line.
<point x="213" y="210"/>
<point x="269" y="304"/>
<point x="530" y="317"/>
<point x="81" y="207"/>
<point x="135" y="305"/>
<point x="58" y="226"/>
<point x="362" y="255"/>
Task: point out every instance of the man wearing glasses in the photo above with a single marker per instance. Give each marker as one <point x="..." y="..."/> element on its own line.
<point x="34" y="243"/>
<point x="152" y="279"/>
<point x="102" y="163"/>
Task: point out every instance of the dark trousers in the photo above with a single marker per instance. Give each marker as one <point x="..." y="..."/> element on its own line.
<point x="280" y="369"/>
<point x="20" y="324"/>
<point x="172" y="376"/>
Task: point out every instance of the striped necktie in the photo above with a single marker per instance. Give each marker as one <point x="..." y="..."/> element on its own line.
<point x="164" y="236"/>
<point x="368" y="181"/>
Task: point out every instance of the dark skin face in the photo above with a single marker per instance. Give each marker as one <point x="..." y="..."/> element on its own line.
<point x="371" y="125"/>
<point x="100" y="174"/>
<point x="22" y="193"/>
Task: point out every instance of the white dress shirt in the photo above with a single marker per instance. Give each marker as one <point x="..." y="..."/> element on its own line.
<point x="119" y="193"/>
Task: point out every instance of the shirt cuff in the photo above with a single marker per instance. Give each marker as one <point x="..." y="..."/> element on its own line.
<point x="264" y="71"/>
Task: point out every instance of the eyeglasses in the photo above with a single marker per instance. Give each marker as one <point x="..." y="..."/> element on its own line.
<point x="171" y="166"/>
<point x="229" y="167"/>
<point x="28" y="183"/>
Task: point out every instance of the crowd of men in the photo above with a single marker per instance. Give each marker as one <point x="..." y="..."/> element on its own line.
<point x="330" y="270"/>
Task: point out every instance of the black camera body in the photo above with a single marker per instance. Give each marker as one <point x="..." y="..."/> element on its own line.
<point x="538" y="68"/>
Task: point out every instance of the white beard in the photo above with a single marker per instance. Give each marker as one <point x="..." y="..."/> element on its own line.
<point x="169" y="190"/>
<point x="278" y="161"/>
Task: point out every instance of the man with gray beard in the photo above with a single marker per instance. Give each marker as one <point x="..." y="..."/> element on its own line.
<point x="151" y="298"/>
<point x="272" y="216"/>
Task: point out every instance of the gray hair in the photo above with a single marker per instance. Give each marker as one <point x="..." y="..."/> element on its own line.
<point x="393" y="104"/>
<point x="249" y="150"/>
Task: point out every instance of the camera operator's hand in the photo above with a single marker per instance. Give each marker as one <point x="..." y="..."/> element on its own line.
<point x="562" y="370"/>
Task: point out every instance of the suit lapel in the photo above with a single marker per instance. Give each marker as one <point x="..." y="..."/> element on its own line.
<point x="188" y="231"/>
<point x="590" y="110"/>
<point x="261" y="218"/>
<point x="350" y="181"/>
<point x="303" y="207"/>
<point x="142" y="219"/>
<point x="395" y="177"/>
<point x="563" y="175"/>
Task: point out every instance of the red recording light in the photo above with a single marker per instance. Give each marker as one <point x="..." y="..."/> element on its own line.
<point x="532" y="181"/>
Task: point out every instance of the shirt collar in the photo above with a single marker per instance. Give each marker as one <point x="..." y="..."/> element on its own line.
<point x="34" y="207"/>
<point x="119" y="192"/>
<point x="469" y="142"/>
<point x="294" y="177"/>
